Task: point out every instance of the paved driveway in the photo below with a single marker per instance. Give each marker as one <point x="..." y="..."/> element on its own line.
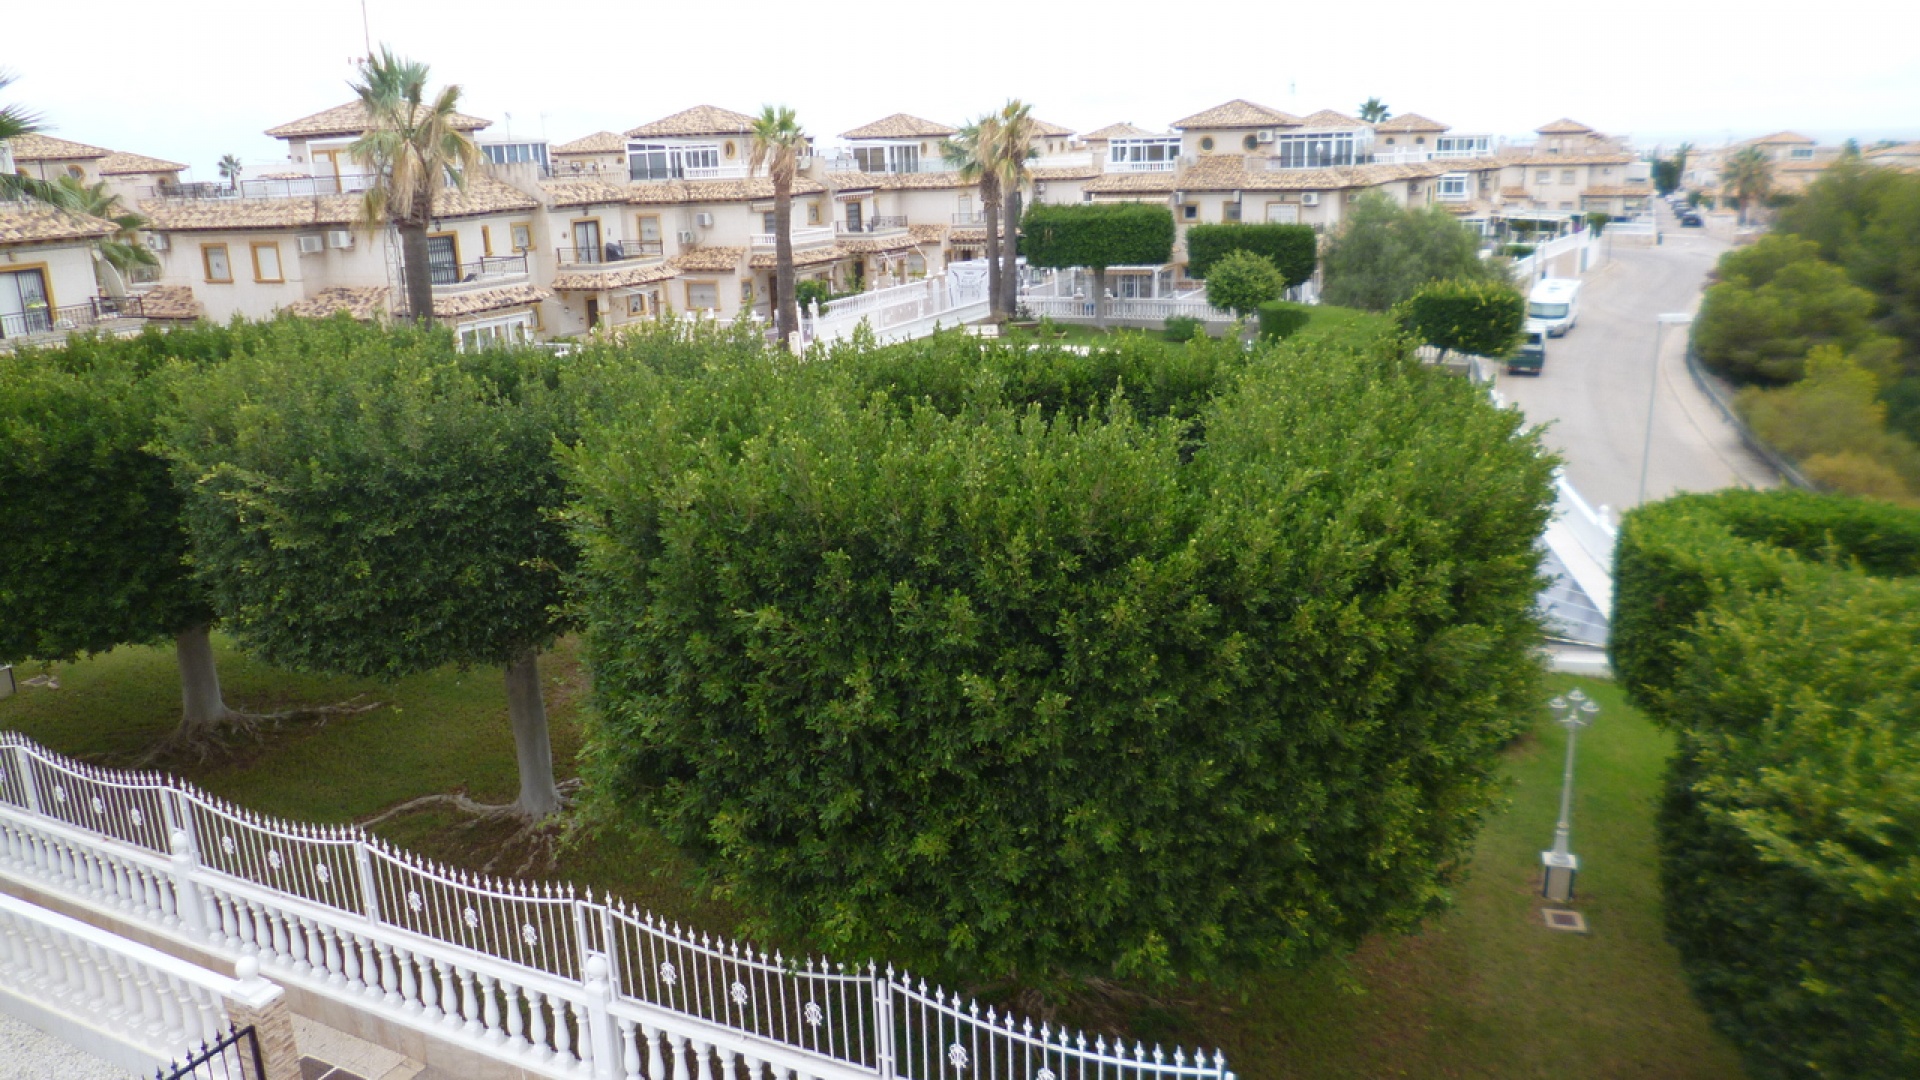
<point x="1593" y="392"/>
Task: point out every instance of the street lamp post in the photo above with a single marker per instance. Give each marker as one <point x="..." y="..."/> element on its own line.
<point x="1559" y="865"/>
<point x="1653" y="392"/>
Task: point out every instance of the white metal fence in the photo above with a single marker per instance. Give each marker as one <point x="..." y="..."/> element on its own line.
<point x="1072" y="309"/>
<point x="904" y="312"/>
<point x="561" y="985"/>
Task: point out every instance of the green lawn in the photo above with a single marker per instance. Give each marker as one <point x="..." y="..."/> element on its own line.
<point x="1486" y="991"/>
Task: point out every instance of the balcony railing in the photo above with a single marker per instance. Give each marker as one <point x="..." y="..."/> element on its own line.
<point x="492" y="270"/>
<point x="879" y="224"/>
<point x="687" y="172"/>
<point x="613" y="251"/>
<point x="1143" y="166"/>
<point x="975" y="218"/>
<point x="61" y="320"/>
<point x="288" y="187"/>
<point x="815" y="236"/>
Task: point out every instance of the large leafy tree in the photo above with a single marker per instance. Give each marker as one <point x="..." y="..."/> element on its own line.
<point x="778" y="143"/>
<point x="414" y="151"/>
<point x="370" y="502"/>
<point x="1034" y="664"/>
<point x="1018" y="133"/>
<point x="1383" y="252"/>
<point x="1776" y="301"/>
<point x="91" y="531"/>
<point x="1747" y="178"/>
<point x="1242" y="281"/>
<point x="1097" y="235"/>
<point x="973" y="152"/>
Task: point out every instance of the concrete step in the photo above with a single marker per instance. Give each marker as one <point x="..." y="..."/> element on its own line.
<point x="327" y="1054"/>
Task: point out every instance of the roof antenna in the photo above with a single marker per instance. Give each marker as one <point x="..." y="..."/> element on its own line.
<point x="366" y="33"/>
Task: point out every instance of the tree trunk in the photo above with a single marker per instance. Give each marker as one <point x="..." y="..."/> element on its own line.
<point x="1100" y="297"/>
<point x="202" y="709"/>
<point x="1010" y="275"/>
<point x="990" y="205"/>
<point x="786" y="317"/>
<point x="532" y="747"/>
<point x="416" y="272"/>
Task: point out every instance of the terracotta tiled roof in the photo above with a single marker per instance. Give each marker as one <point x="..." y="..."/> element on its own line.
<point x="1514" y="193"/>
<point x="1067" y="172"/>
<point x="1329" y="118"/>
<point x="1050" y="131"/>
<point x="708" y="259"/>
<point x="970" y="235"/>
<point x="1905" y="156"/>
<point x="1469" y="208"/>
<point x="171" y="303"/>
<point x="1410" y="123"/>
<point x="351" y="119"/>
<point x="819" y="256"/>
<point x="32" y="223"/>
<point x="1233" y="172"/>
<point x="462" y="304"/>
<point x="362" y="302"/>
<point x="120" y="163"/>
<point x="1116" y="131"/>
<point x="1143" y="183"/>
<point x="927" y="181"/>
<point x="484" y="195"/>
<point x="1543" y="160"/>
<point x="1611" y="191"/>
<point x="1238" y="113"/>
<point x="927" y="234"/>
<point x="600" y="142"/>
<point x="47" y="148"/>
<point x="868" y="245"/>
<point x="622" y="277"/>
<point x="900" y="126"/>
<point x="1564" y="126"/>
<point x="1780" y="137"/>
<point x="584" y="192"/>
<point x="705" y="191"/>
<point x="699" y="120"/>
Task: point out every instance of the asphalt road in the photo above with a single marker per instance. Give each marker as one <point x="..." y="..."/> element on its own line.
<point x="1593" y="394"/>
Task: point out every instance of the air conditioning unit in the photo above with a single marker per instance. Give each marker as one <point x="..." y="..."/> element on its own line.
<point x="157" y="241"/>
<point x="703" y="219"/>
<point x="1266" y="136"/>
<point x="1310" y="198"/>
<point x="312" y="245"/>
<point x="685" y="236"/>
<point x="340" y="238"/>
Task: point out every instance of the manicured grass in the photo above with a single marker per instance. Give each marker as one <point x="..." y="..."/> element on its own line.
<point x="1484" y="991"/>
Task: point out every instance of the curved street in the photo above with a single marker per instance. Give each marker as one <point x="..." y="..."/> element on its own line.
<point x="1593" y="393"/>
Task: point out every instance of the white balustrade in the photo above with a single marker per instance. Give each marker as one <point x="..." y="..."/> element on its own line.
<point x="560" y="985"/>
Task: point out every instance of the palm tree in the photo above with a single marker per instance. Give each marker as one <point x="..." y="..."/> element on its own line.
<point x="778" y="142"/>
<point x="414" y="151"/>
<point x="1018" y="131"/>
<point x="230" y="170"/>
<point x="1748" y="178"/>
<point x="1373" y="110"/>
<point x="14" y="122"/>
<point x="972" y="152"/>
<point x="121" y="250"/>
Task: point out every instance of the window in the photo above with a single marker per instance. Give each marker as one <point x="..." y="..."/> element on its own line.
<point x="853" y="217"/>
<point x="1251" y="142"/>
<point x="1801" y="153"/>
<point x="1206" y="144"/>
<point x="214" y="258"/>
<point x="703" y="296"/>
<point x="443" y="259"/>
<point x="1566" y="176"/>
<point x="649" y="228"/>
<point x="746" y="292"/>
<point x="515" y="153"/>
<point x="1189" y="212"/>
<point x="266" y="263"/>
<point x="660" y="161"/>
<point x="1462" y="145"/>
<point x="1453" y="187"/>
<point x="1151" y="155"/>
<point x="1566" y="206"/>
<point x="767" y="224"/>
<point x="1318" y="149"/>
<point x="1230" y="211"/>
<point x="586" y="240"/>
<point x="1545" y="176"/>
<point x="522" y="235"/>
<point x="888" y="158"/>
<point x="636" y="305"/>
<point x="813" y="213"/>
<point x="76" y="172"/>
<point x="24" y="306"/>
<point x="1283" y="213"/>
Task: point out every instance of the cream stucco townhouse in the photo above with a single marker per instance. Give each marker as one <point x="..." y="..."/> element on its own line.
<point x="48" y="287"/>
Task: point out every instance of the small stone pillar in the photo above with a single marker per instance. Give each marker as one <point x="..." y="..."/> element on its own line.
<point x="261" y="1005"/>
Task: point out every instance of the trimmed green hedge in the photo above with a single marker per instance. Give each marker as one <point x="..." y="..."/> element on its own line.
<point x="1021" y="663"/>
<point x="1096" y="234"/>
<point x="1283" y="319"/>
<point x="1778" y="635"/>
<point x="1294" y="250"/>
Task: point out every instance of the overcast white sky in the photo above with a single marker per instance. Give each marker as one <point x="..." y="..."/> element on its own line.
<point x="192" y="79"/>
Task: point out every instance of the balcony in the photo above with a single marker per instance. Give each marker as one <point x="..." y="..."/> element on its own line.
<point x="487" y="273"/>
<point x="810" y="237"/>
<point x="976" y="220"/>
<point x="286" y="187"/>
<point x="51" y="325"/>
<point x="610" y="253"/>
<point x="873" y="226"/>
<point x="1167" y="165"/>
<point x="656" y="173"/>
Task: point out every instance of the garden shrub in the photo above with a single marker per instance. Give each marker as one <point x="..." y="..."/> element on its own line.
<point x="1283" y="319"/>
<point x="1182" y="328"/>
<point x="1294" y="250"/>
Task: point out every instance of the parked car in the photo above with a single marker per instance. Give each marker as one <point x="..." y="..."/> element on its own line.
<point x="1532" y="355"/>
<point x="1692" y="220"/>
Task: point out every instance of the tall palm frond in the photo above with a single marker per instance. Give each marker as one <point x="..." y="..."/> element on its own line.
<point x="414" y="151"/>
<point x="1016" y="149"/>
<point x="16" y="121"/>
<point x="1748" y="177"/>
<point x="972" y="152"/>
<point x="1373" y="110"/>
<point x="122" y="249"/>
<point x="230" y="169"/>
<point x="778" y="141"/>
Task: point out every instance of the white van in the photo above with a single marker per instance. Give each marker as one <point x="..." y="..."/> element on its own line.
<point x="1554" y="306"/>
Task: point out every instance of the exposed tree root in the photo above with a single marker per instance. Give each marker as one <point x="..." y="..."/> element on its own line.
<point x="201" y="743"/>
<point x="538" y="840"/>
